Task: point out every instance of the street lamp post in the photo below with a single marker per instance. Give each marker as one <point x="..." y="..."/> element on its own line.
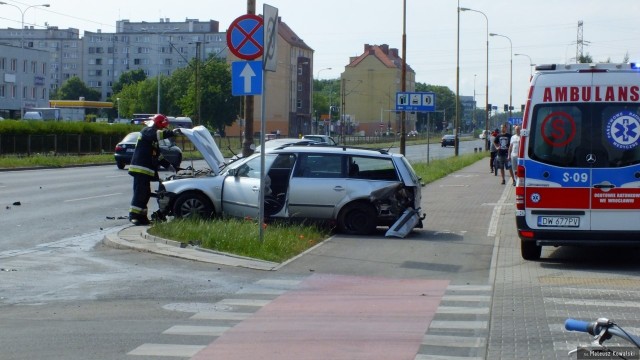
<point x="531" y="64"/>
<point x="456" y="121"/>
<point x="474" y="100"/>
<point x="318" y="78"/>
<point x="486" y="92"/>
<point x="118" y="100"/>
<point x="22" y="12"/>
<point x="510" y="71"/>
<point x="158" y="75"/>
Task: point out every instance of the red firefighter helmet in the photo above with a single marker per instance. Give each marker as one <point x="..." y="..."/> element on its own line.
<point x="160" y="121"/>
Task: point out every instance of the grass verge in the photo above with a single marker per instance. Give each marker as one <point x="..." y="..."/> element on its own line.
<point x="280" y="242"/>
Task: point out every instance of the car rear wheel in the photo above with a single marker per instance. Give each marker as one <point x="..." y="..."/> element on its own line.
<point x="120" y="165"/>
<point x="357" y="219"/>
<point x="530" y="250"/>
<point x="192" y="204"/>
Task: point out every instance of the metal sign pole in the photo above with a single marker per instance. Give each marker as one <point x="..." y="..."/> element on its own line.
<point x="269" y="63"/>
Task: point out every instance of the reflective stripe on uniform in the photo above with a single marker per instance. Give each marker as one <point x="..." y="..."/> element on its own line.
<point x="141" y="170"/>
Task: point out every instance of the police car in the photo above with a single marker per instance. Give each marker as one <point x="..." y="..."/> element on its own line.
<point x="579" y="163"/>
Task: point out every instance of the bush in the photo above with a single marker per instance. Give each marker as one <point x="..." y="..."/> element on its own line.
<point x="21" y="127"/>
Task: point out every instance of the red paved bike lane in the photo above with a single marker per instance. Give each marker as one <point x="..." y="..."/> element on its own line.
<point x="336" y="317"/>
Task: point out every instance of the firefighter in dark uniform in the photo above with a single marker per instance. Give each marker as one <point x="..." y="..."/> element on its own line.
<point x="144" y="166"/>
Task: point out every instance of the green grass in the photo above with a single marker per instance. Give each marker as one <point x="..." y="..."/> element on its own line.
<point x="42" y="160"/>
<point x="241" y="237"/>
<point x="437" y="169"/>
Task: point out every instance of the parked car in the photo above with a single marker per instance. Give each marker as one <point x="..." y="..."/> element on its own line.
<point x="321" y="138"/>
<point x="279" y="143"/>
<point x="448" y="140"/>
<point x="32" y="115"/>
<point x="355" y="188"/>
<point x="125" y="148"/>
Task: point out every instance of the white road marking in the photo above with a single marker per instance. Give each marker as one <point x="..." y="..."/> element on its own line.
<point x="92" y="197"/>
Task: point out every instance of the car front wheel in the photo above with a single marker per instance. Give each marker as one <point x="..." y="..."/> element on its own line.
<point x="357" y="219"/>
<point x="192" y="204"/>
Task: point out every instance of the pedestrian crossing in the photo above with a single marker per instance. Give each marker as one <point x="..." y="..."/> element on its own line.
<point x="229" y="311"/>
<point x="458" y="330"/>
<point x="460" y="327"/>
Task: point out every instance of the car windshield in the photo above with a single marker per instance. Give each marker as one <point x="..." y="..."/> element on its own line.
<point x="131" y="137"/>
<point x="249" y="165"/>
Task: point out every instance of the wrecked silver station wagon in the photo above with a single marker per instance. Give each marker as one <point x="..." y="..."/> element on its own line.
<point x="358" y="189"/>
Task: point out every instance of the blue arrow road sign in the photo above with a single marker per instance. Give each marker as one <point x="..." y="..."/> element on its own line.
<point x="246" y="78"/>
<point x="515" y="120"/>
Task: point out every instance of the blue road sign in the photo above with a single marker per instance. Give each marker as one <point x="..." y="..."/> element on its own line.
<point x="515" y="120"/>
<point x="245" y="37"/>
<point x="246" y="78"/>
<point x="415" y="101"/>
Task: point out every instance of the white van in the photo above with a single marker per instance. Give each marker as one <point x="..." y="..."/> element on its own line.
<point x="32" y="115"/>
<point x="579" y="164"/>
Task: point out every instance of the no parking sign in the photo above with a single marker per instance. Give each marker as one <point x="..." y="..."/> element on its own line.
<point x="245" y="37"/>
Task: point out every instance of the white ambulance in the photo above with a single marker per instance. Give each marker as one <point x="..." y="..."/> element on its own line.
<point x="579" y="164"/>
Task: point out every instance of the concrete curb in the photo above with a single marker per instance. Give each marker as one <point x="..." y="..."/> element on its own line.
<point x="137" y="238"/>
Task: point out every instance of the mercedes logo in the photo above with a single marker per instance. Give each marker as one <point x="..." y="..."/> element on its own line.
<point x="591" y="158"/>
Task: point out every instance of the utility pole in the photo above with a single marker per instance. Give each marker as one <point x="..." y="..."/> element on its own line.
<point x="198" y="119"/>
<point x="248" y="104"/>
<point x="579" y="42"/>
<point x="403" y="115"/>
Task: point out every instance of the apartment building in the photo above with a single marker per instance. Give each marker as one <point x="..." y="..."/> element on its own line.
<point x="369" y="85"/>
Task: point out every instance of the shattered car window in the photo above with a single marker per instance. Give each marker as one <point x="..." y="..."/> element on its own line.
<point x="372" y="168"/>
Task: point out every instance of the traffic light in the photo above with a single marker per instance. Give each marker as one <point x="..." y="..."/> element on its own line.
<point x="506" y="107"/>
<point x="522" y="108"/>
<point x="488" y="107"/>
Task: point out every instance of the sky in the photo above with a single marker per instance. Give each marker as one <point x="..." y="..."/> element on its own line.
<point x="543" y="31"/>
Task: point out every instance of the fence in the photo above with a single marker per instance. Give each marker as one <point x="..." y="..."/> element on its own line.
<point x="74" y="144"/>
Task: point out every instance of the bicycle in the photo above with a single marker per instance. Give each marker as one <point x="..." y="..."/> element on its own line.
<point x="602" y="330"/>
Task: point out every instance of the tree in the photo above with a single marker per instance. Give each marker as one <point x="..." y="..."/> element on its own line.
<point x="217" y="107"/>
<point x="585" y="59"/>
<point x="127" y="78"/>
<point x="74" y="89"/>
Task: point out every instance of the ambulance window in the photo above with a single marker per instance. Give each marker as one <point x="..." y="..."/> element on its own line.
<point x="557" y="134"/>
<point x="619" y="133"/>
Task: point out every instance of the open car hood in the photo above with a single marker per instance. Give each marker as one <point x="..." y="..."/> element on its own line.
<point x="203" y="141"/>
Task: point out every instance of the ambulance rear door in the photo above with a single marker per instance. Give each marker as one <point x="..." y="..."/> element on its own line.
<point x="615" y="155"/>
<point x="558" y="179"/>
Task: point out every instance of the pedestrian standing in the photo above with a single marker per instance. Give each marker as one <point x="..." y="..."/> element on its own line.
<point x="144" y="166"/>
<point x="493" y="151"/>
<point x="501" y="143"/>
<point x="514" y="148"/>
